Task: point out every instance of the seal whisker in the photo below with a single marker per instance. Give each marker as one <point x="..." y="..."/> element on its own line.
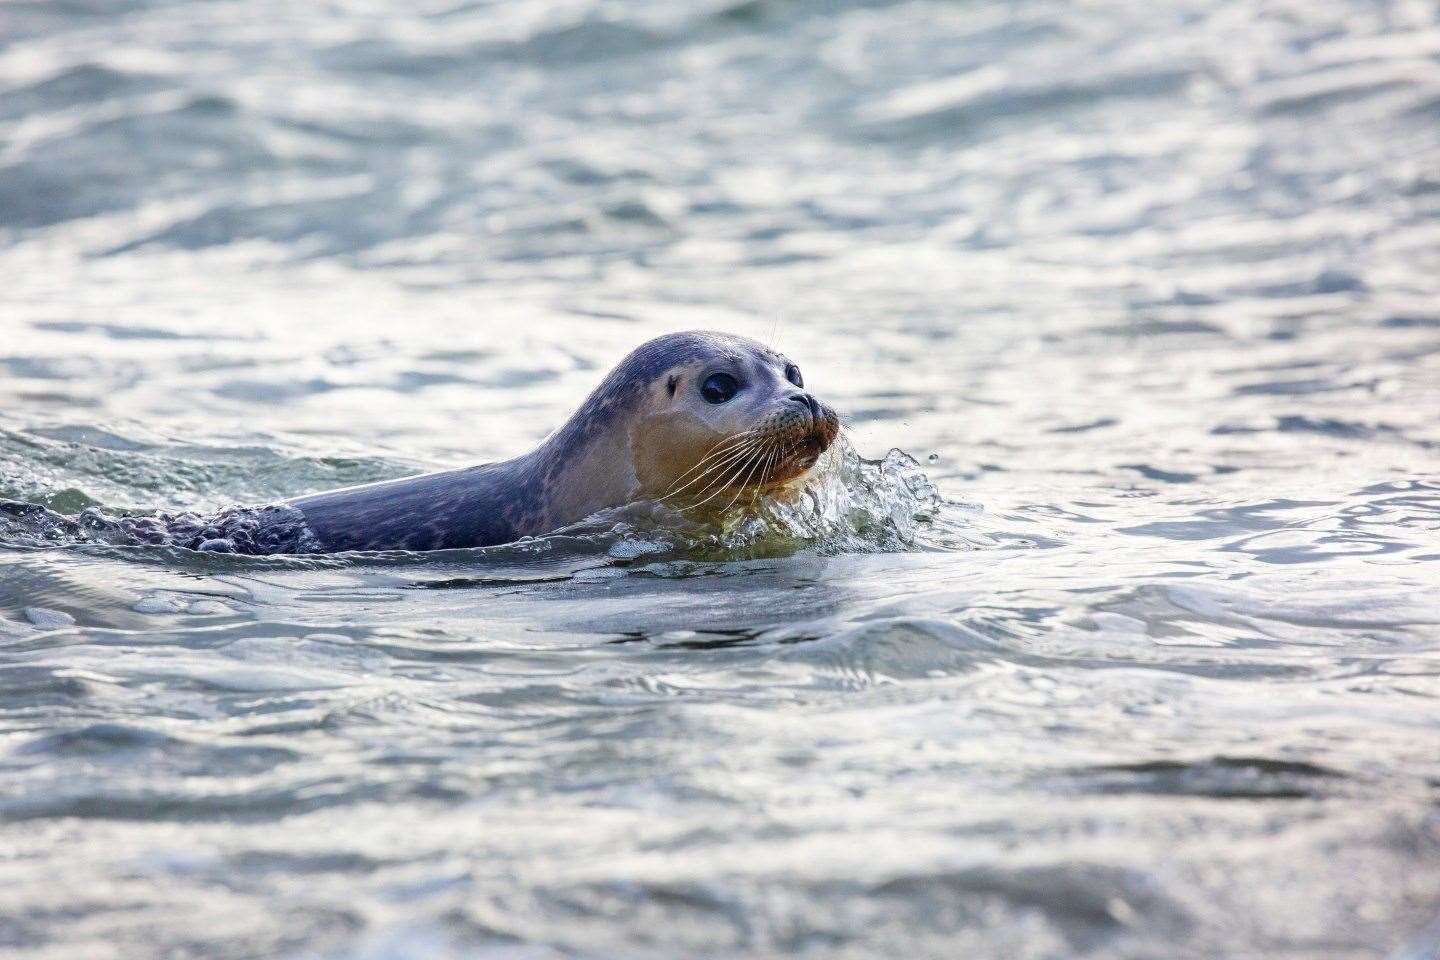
<point x="725" y="446"/>
<point x="763" y="462"/>
<point x="717" y="490"/>
<point x="748" y="456"/>
<point x="725" y="443"/>
<point x="730" y="478"/>
<point x="730" y="457"/>
<point x="730" y="444"/>
<point x="744" y="481"/>
<point x="770" y="466"/>
<point x="705" y="479"/>
<point x="771" y="456"/>
<point x="775" y="461"/>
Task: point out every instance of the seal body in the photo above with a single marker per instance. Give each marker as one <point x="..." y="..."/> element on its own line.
<point x="474" y="506"/>
<point x="583" y="467"/>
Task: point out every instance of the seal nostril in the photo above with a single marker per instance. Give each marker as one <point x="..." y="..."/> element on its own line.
<point x="808" y="402"/>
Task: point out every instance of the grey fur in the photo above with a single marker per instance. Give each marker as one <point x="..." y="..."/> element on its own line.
<point x="496" y="502"/>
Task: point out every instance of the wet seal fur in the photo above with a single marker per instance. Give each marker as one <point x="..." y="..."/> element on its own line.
<point x="647" y="432"/>
<point x="635" y="437"/>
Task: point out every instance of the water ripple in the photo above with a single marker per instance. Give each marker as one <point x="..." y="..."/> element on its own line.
<point x="1135" y="657"/>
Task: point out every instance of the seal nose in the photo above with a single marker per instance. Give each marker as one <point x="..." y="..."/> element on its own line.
<point x="808" y="402"/>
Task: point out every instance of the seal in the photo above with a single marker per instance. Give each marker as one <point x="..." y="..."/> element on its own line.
<point x="686" y="418"/>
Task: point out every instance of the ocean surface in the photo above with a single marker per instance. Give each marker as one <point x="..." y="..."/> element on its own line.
<point x="1113" y="633"/>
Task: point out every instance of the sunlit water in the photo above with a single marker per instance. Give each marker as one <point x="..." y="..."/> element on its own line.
<point x="1134" y="652"/>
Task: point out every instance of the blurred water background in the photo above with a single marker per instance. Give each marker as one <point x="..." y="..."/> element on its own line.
<point x="1149" y="291"/>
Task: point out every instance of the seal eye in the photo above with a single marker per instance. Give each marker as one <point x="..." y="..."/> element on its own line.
<point x="792" y="373"/>
<point x="719" y="388"/>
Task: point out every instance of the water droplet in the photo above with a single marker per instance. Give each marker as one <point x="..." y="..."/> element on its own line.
<point x="158" y="603"/>
<point x="45" y="618"/>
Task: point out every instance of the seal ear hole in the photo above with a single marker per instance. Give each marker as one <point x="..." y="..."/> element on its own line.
<point x="672" y="383"/>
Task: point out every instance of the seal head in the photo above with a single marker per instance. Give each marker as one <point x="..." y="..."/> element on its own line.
<point x="728" y="414"/>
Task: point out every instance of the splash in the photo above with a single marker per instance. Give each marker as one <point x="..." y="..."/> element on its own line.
<point x="849" y="504"/>
<point x="256" y="531"/>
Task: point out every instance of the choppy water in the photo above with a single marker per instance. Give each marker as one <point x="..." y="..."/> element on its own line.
<point x="1151" y="291"/>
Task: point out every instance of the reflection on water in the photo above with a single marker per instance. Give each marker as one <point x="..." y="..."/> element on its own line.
<point x="1149" y="291"/>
